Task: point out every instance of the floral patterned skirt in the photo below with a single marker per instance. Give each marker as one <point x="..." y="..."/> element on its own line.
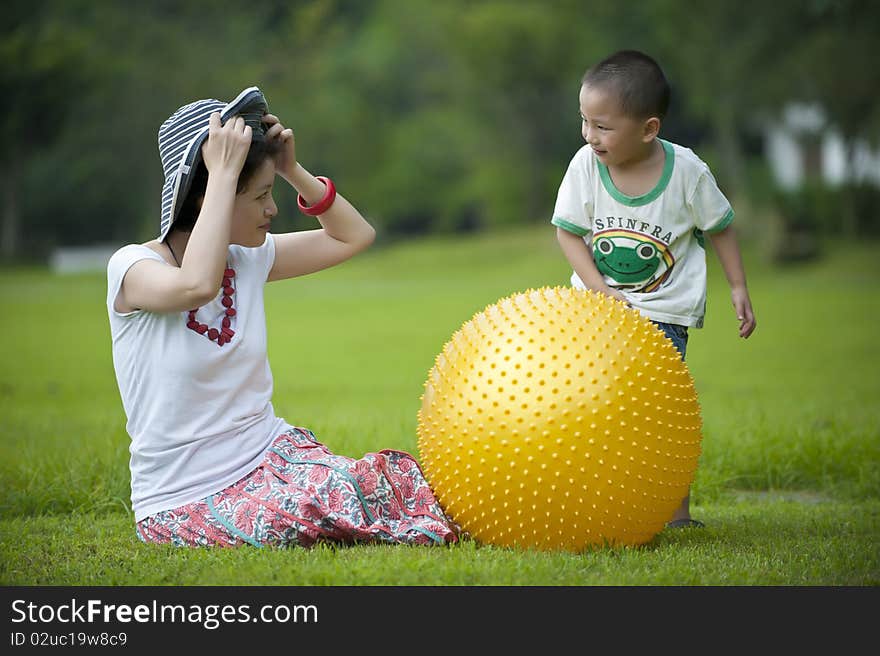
<point x="302" y="493"/>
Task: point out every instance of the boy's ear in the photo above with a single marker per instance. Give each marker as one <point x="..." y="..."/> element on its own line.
<point x="650" y="129"/>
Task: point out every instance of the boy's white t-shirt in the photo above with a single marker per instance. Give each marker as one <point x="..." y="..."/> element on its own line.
<point x="199" y="415"/>
<point x="650" y="247"/>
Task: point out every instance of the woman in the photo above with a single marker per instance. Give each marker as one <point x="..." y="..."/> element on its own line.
<point x="211" y="463"/>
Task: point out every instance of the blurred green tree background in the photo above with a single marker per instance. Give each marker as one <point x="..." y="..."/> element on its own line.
<point x="430" y="116"/>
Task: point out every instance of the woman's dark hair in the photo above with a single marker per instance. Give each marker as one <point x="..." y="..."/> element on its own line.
<point x="259" y="152"/>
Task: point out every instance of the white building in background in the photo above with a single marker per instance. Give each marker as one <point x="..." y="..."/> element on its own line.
<point x="81" y="259"/>
<point x="803" y="145"/>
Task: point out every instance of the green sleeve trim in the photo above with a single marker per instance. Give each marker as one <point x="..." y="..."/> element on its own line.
<point x="725" y="221"/>
<point x="569" y="227"/>
<point x="644" y="199"/>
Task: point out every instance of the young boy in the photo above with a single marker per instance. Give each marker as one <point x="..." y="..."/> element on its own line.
<point x="633" y="209"/>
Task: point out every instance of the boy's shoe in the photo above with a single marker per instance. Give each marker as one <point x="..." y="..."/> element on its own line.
<point x="685" y="523"/>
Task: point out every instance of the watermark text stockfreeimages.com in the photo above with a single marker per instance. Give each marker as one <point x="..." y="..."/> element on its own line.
<point x="210" y="616"/>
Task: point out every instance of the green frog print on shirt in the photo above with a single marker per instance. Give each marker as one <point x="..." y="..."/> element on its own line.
<point x="632" y="261"/>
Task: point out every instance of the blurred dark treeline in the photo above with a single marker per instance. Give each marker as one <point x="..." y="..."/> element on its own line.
<point x="431" y="116"/>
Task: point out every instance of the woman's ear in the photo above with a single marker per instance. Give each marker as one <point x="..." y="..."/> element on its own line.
<point x="650" y="129"/>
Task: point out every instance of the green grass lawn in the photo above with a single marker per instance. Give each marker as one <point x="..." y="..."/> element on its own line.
<point x="788" y="483"/>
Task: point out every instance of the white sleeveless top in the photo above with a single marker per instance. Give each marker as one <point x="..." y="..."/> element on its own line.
<point x="199" y="415"/>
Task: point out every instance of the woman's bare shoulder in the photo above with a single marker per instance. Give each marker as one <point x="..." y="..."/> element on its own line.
<point x="159" y="248"/>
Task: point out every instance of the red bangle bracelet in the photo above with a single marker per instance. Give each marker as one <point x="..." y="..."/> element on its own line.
<point x="322" y="205"/>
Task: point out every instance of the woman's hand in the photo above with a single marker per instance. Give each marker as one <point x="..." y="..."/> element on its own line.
<point x="285" y="159"/>
<point x="226" y="147"/>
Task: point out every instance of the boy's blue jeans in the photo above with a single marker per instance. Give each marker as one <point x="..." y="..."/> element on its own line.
<point x="678" y="335"/>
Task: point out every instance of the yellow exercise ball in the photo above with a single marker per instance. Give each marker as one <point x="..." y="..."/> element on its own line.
<point x="559" y="419"/>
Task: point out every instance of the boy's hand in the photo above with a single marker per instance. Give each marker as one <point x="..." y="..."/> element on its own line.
<point x="743" y="307"/>
<point x="227" y="146"/>
<point x="285" y="160"/>
<point x="616" y="293"/>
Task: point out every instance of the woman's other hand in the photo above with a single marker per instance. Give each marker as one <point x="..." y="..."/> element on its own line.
<point x="285" y="159"/>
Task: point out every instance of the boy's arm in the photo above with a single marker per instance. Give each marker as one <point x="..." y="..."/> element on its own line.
<point x="581" y="260"/>
<point x="727" y="249"/>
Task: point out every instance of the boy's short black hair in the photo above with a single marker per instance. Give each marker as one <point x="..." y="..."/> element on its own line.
<point x="259" y="152"/>
<point x="637" y="81"/>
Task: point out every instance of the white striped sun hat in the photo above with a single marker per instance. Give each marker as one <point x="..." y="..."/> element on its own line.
<point x="181" y="138"/>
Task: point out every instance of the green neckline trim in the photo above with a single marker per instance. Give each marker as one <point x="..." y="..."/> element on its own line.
<point x="635" y="201"/>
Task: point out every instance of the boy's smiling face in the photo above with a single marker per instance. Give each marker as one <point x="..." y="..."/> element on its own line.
<point x="616" y="138"/>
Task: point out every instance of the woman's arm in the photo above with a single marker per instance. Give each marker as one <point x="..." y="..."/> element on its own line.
<point x="152" y="286"/>
<point x="343" y="233"/>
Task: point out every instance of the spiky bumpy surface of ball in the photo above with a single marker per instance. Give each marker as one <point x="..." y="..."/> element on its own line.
<point x="559" y="419"/>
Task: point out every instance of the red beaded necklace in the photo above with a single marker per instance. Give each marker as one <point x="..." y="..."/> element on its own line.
<point x="225" y="333"/>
